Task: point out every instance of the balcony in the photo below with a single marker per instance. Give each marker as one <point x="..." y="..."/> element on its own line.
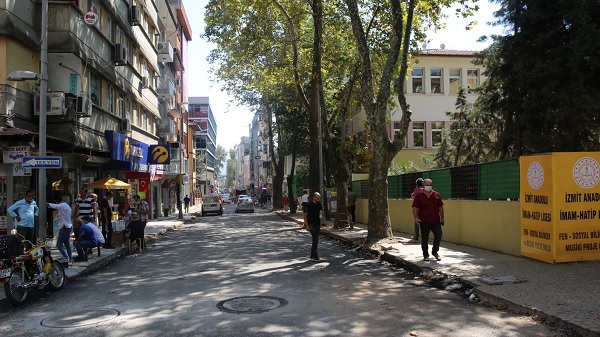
<point x="167" y="90"/>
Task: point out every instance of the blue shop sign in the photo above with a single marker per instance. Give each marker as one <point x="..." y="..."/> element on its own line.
<point x="129" y="150"/>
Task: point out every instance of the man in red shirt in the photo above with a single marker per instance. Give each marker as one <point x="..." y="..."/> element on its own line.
<point x="428" y="211"/>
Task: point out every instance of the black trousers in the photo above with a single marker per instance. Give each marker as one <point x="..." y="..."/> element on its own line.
<point x="107" y="230"/>
<point x="436" y="229"/>
<point x="314" y="232"/>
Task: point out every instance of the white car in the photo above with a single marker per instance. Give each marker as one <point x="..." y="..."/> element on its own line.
<point x="211" y="204"/>
<point x="225" y="198"/>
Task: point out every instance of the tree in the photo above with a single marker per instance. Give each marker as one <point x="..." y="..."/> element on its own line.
<point x="542" y="77"/>
<point x="397" y="23"/>
<point x="230" y="178"/>
<point x="220" y="159"/>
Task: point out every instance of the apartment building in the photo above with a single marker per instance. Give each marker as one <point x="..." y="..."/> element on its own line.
<point x="116" y="90"/>
<point x="205" y="142"/>
<point x="431" y="90"/>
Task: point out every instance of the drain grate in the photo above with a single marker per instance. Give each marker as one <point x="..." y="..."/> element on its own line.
<point x="80" y="318"/>
<point x="251" y="304"/>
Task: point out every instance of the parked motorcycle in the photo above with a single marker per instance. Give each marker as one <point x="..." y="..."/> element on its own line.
<point x="22" y="272"/>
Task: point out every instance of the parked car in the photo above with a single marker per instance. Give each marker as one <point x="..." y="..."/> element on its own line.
<point x="212" y="204"/>
<point x="225" y="198"/>
<point x="245" y="205"/>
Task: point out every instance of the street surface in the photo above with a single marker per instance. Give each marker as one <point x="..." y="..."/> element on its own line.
<point x="249" y="275"/>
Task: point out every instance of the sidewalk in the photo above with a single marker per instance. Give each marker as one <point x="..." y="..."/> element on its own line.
<point x="154" y="228"/>
<point x="567" y="293"/>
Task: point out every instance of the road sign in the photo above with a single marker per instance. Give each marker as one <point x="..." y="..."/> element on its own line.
<point x="42" y="162"/>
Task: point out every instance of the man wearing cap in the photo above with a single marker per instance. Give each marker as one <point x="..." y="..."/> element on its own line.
<point x="85" y="239"/>
<point x="106" y="220"/>
<point x="418" y="189"/>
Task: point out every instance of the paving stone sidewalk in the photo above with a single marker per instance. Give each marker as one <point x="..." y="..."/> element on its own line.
<point x="565" y="293"/>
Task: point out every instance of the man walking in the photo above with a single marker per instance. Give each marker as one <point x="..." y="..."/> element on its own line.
<point x="106" y="220"/>
<point x="186" y="202"/>
<point x="24" y="212"/>
<point x="428" y="212"/>
<point x="304" y="203"/>
<point x="352" y="206"/>
<point x="314" y="209"/>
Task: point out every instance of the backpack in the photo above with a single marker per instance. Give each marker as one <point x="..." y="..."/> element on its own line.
<point x="9" y="246"/>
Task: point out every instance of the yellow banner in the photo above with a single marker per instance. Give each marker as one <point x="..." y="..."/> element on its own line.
<point x="560" y="206"/>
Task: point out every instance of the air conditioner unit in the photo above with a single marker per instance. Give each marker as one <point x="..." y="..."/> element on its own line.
<point x="83" y="106"/>
<point x="134" y="16"/>
<point x="145" y="82"/>
<point x="165" y="51"/>
<point x="55" y="104"/>
<point x="120" y="56"/>
<point x="125" y="126"/>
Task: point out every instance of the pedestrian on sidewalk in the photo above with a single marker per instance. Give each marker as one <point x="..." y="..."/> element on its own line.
<point x="141" y="207"/>
<point x="63" y="242"/>
<point x="305" y="201"/>
<point x="418" y="189"/>
<point x="24" y="212"/>
<point x="186" y="202"/>
<point x="352" y="206"/>
<point x="106" y="220"/>
<point x="286" y="202"/>
<point x="314" y="209"/>
<point x="428" y="212"/>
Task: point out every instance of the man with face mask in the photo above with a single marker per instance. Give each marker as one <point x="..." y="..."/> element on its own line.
<point x="428" y="211"/>
<point x="24" y="212"/>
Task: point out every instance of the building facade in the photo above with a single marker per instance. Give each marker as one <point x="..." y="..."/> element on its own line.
<point x="205" y="143"/>
<point x="116" y="89"/>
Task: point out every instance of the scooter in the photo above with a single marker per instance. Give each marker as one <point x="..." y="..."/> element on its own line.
<point x="34" y="269"/>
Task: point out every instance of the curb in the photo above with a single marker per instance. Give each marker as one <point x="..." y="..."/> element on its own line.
<point x="484" y="297"/>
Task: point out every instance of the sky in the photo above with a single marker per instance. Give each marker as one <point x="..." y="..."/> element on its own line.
<point x="233" y="120"/>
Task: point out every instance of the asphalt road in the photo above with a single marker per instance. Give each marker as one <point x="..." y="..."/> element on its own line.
<point x="249" y="275"/>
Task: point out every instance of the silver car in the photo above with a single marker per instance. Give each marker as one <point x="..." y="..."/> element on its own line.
<point x="245" y="205"/>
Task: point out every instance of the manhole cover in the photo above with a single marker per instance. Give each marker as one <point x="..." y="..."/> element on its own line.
<point x="251" y="304"/>
<point x="80" y="318"/>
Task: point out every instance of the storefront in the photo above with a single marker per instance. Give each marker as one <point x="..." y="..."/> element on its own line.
<point x="129" y="160"/>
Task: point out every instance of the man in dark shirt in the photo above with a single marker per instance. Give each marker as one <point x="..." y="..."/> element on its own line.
<point x="106" y="220"/>
<point x="313" y="217"/>
<point x="428" y="211"/>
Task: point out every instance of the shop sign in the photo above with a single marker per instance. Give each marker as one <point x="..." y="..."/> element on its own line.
<point x="15" y="154"/>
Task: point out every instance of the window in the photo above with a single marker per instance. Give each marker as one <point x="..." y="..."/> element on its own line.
<point x="121" y="107"/>
<point x="435" y="78"/>
<point x="417" y="80"/>
<point x="109" y="29"/>
<point x="110" y="99"/>
<point x="437" y="134"/>
<point x="455" y="81"/>
<point x="472" y="79"/>
<point x="418" y="134"/>
<point x="94" y="87"/>
<point x="95" y="7"/>
<point x="397" y="127"/>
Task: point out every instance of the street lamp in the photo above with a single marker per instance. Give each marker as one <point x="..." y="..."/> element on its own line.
<point x="24" y="75"/>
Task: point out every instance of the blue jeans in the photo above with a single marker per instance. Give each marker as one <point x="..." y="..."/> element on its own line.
<point x="436" y="229"/>
<point x="82" y="246"/>
<point x="64" y="241"/>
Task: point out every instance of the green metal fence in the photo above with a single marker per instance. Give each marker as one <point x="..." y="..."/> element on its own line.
<point x="494" y="180"/>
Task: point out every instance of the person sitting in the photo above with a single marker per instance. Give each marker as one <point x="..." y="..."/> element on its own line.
<point x="85" y="239"/>
<point x="135" y="228"/>
<point x="99" y="238"/>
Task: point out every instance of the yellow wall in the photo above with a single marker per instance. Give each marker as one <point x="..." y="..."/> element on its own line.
<point x="492" y="225"/>
<point x="16" y="56"/>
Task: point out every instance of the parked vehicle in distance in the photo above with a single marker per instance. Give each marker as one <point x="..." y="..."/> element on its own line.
<point x="212" y="204"/>
<point x="245" y="205"/>
<point x="225" y="198"/>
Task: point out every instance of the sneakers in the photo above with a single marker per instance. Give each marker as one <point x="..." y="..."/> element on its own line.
<point x="437" y="257"/>
<point x="315" y="259"/>
<point x="425" y="258"/>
